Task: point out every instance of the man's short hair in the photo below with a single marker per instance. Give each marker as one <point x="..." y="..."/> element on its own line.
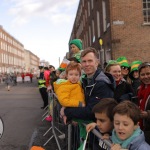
<point x="128" y="108"/>
<point x="106" y="105"/>
<point x="89" y="50"/>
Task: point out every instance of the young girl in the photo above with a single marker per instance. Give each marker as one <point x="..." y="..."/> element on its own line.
<point x="123" y="89"/>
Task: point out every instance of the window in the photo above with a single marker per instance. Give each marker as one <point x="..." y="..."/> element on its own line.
<point x="146" y="11"/>
<point x="98" y="24"/>
<point x="88" y="8"/>
<point x="104" y="15"/>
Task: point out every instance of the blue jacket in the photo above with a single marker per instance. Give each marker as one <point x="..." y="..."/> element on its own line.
<point x="139" y="143"/>
<point x="101" y="86"/>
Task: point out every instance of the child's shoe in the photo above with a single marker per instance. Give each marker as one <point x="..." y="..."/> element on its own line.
<point x="48" y="118"/>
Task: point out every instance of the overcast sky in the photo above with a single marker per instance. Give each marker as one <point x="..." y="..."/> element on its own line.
<point x="42" y="26"/>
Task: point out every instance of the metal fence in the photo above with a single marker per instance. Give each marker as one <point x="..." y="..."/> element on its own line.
<point x="68" y="136"/>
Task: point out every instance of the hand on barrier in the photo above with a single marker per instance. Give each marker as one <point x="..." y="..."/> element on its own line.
<point x="90" y="126"/>
<point x="49" y="88"/>
<point x="116" y="147"/>
<point x="62" y="112"/>
<point x="144" y="114"/>
<point x="105" y="136"/>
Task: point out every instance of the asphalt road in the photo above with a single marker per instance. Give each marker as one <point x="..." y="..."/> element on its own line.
<point x="21" y="114"/>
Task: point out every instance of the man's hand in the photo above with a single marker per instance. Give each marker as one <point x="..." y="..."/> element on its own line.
<point x="144" y="114"/>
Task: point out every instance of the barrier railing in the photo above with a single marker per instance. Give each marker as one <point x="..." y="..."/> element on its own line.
<point x="71" y="132"/>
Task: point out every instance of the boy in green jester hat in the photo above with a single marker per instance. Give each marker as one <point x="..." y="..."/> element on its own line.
<point x="76" y="48"/>
<point x="134" y="75"/>
<point x="125" y="68"/>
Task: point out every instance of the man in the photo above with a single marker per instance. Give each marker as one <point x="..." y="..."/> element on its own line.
<point x="96" y="86"/>
<point x="42" y="88"/>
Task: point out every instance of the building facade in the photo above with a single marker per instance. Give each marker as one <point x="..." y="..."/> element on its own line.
<point x="122" y="26"/>
<point x="11" y="53"/>
<point x="31" y="62"/>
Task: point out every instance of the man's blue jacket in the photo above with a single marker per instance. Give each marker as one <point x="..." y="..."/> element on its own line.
<point x="101" y="86"/>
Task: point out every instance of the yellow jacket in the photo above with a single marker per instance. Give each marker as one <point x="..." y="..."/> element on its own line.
<point x="69" y="94"/>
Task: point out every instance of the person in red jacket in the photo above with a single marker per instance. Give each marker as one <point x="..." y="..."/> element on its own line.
<point x="31" y="76"/>
<point x="22" y="75"/>
<point x="144" y="99"/>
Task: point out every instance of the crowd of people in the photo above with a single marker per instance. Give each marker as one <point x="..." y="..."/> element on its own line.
<point x="10" y="79"/>
<point x="114" y="100"/>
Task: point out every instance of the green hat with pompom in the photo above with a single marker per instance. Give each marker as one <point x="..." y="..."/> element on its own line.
<point x="76" y="42"/>
<point x="123" y="62"/>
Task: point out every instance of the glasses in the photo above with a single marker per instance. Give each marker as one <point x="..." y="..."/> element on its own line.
<point x="125" y="68"/>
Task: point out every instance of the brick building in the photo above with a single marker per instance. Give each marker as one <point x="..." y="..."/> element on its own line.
<point x="11" y="53"/>
<point x="13" y="56"/>
<point x="122" y="25"/>
<point x="31" y="62"/>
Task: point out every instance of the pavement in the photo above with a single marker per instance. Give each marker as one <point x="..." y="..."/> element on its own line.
<point x="22" y="116"/>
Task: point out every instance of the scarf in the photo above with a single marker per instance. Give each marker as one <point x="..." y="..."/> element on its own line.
<point x="125" y="143"/>
<point x="143" y="94"/>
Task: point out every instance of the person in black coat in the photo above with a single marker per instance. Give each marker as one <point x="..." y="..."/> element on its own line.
<point x="123" y="90"/>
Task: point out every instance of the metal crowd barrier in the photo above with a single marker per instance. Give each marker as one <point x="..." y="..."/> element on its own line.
<point x="71" y="139"/>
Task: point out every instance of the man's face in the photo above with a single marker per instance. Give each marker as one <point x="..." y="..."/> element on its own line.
<point x="89" y="63"/>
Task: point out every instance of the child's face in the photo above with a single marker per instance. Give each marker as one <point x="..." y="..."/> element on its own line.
<point x="73" y="76"/>
<point x="124" y="126"/>
<point x="57" y="73"/>
<point x="104" y="124"/>
<point x="74" y="49"/>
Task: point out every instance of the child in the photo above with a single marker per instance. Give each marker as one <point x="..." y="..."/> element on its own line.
<point x="126" y="133"/>
<point x="76" y="48"/>
<point x="70" y="92"/>
<point x="104" y="119"/>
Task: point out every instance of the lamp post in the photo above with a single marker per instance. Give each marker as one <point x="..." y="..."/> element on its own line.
<point x="101" y="50"/>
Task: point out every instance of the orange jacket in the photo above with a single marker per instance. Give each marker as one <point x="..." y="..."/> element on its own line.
<point x="69" y="95"/>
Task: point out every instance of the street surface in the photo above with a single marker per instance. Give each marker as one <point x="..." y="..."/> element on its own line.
<point x="21" y="113"/>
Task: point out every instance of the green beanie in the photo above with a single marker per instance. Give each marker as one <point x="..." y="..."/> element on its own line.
<point x="76" y="42"/>
<point x="134" y="65"/>
<point x="123" y="62"/>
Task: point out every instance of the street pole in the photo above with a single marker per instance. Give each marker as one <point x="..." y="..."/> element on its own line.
<point x="101" y="43"/>
<point x="59" y="61"/>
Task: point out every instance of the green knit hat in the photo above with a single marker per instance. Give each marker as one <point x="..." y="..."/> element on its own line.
<point x="123" y="62"/>
<point x="112" y="62"/>
<point x="76" y="42"/>
<point x="134" y="65"/>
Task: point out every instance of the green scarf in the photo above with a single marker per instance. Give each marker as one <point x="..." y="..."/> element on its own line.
<point x="125" y="143"/>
